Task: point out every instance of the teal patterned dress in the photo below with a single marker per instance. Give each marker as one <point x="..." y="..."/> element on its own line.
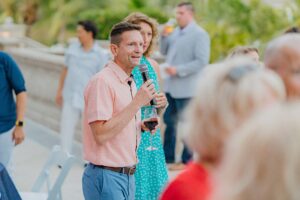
<point x="151" y="173"/>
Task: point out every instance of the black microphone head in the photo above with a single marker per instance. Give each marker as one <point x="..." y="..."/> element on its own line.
<point x="144" y="71"/>
<point x="143" y="68"/>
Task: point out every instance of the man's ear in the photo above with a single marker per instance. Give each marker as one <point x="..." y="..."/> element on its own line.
<point x="114" y="49"/>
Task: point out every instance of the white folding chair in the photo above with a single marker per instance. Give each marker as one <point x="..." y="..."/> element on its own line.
<point x="56" y="158"/>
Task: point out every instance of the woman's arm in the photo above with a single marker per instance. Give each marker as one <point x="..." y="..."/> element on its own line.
<point x="160" y="98"/>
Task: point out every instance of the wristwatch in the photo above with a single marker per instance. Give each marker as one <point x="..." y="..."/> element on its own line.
<point x="19" y="123"/>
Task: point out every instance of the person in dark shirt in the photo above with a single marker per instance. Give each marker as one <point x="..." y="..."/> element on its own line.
<point x="11" y="109"/>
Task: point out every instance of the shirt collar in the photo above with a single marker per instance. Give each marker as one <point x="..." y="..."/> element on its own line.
<point x="119" y="72"/>
<point x="93" y="49"/>
<point x="188" y="27"/>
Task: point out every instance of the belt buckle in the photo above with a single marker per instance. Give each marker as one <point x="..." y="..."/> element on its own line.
<point x="131" y="170"/>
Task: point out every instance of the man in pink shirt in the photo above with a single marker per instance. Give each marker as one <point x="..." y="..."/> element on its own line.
<point x="112" y="124"/>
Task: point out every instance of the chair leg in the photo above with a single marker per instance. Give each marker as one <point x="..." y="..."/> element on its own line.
<point x="59" y="195"/>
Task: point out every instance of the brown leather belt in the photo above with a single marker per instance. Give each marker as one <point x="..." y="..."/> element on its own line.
<point x="123" y="170"/>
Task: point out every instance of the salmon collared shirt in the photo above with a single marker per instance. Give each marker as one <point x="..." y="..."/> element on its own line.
<point x="106" y="95"/>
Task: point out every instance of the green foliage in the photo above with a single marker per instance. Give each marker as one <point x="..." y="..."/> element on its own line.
<point x="228" y="22"/>
<point x="137" y="4"/>
<point x="156" y="14"/>
<point x="55" y="16"/>
<point x="105" y="19"/>
<point x="236" y="23"/>
<point x="223" y="38"/>
<point x="59" y="17"/>
<point x="9" y="8"/>
<point x="266" y="22"/>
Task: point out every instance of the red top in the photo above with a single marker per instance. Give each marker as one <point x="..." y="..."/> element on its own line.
<point x="192" y="184"/>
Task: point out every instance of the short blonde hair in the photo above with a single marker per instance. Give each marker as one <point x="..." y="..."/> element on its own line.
<point x="225" y="96"/>
<point x="262" y="159"/>
<point x="137" y="18"/>
<point x="242" y="50"/>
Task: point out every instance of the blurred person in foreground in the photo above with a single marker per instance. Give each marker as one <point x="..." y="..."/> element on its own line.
<point x="187" y="51"/>
<point x="262" y="159"/>
<point x="12" y="110"/>
<point x="112" y="119"/>
<point x="283" y="56"/>
<point x="83" y="59"/>
<point x="228" y="94"/>
<point x="151" y="171"/>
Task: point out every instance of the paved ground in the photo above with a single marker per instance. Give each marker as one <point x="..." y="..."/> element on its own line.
<point x="30" y="156"/>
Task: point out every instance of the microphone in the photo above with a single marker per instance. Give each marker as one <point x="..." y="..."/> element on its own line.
<point x="130" y="81"/>
<point x="145" y="74"/>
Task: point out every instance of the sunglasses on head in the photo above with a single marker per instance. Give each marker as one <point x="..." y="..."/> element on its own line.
<point x="236" y="73"/>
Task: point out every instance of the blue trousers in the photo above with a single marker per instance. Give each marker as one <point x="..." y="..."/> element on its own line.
<point x="8" y="190"/>
<point x="103" y="184"/>
<point x="6" y="148"/>
<point x="171" y="117"/>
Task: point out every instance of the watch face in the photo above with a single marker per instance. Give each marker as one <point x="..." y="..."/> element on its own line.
<point x="19" y="123"/>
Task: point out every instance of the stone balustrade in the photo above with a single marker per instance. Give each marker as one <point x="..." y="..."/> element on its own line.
<point x="41" y="71"/>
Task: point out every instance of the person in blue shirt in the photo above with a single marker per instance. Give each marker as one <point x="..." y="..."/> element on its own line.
<point x="12" y="109"/>
<point x="83" y="59"/>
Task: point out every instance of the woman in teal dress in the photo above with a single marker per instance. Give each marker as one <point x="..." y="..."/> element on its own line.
<point x="151" y="174"/>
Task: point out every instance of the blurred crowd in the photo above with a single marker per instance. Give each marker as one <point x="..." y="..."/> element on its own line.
<point x="237" y="118"/>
